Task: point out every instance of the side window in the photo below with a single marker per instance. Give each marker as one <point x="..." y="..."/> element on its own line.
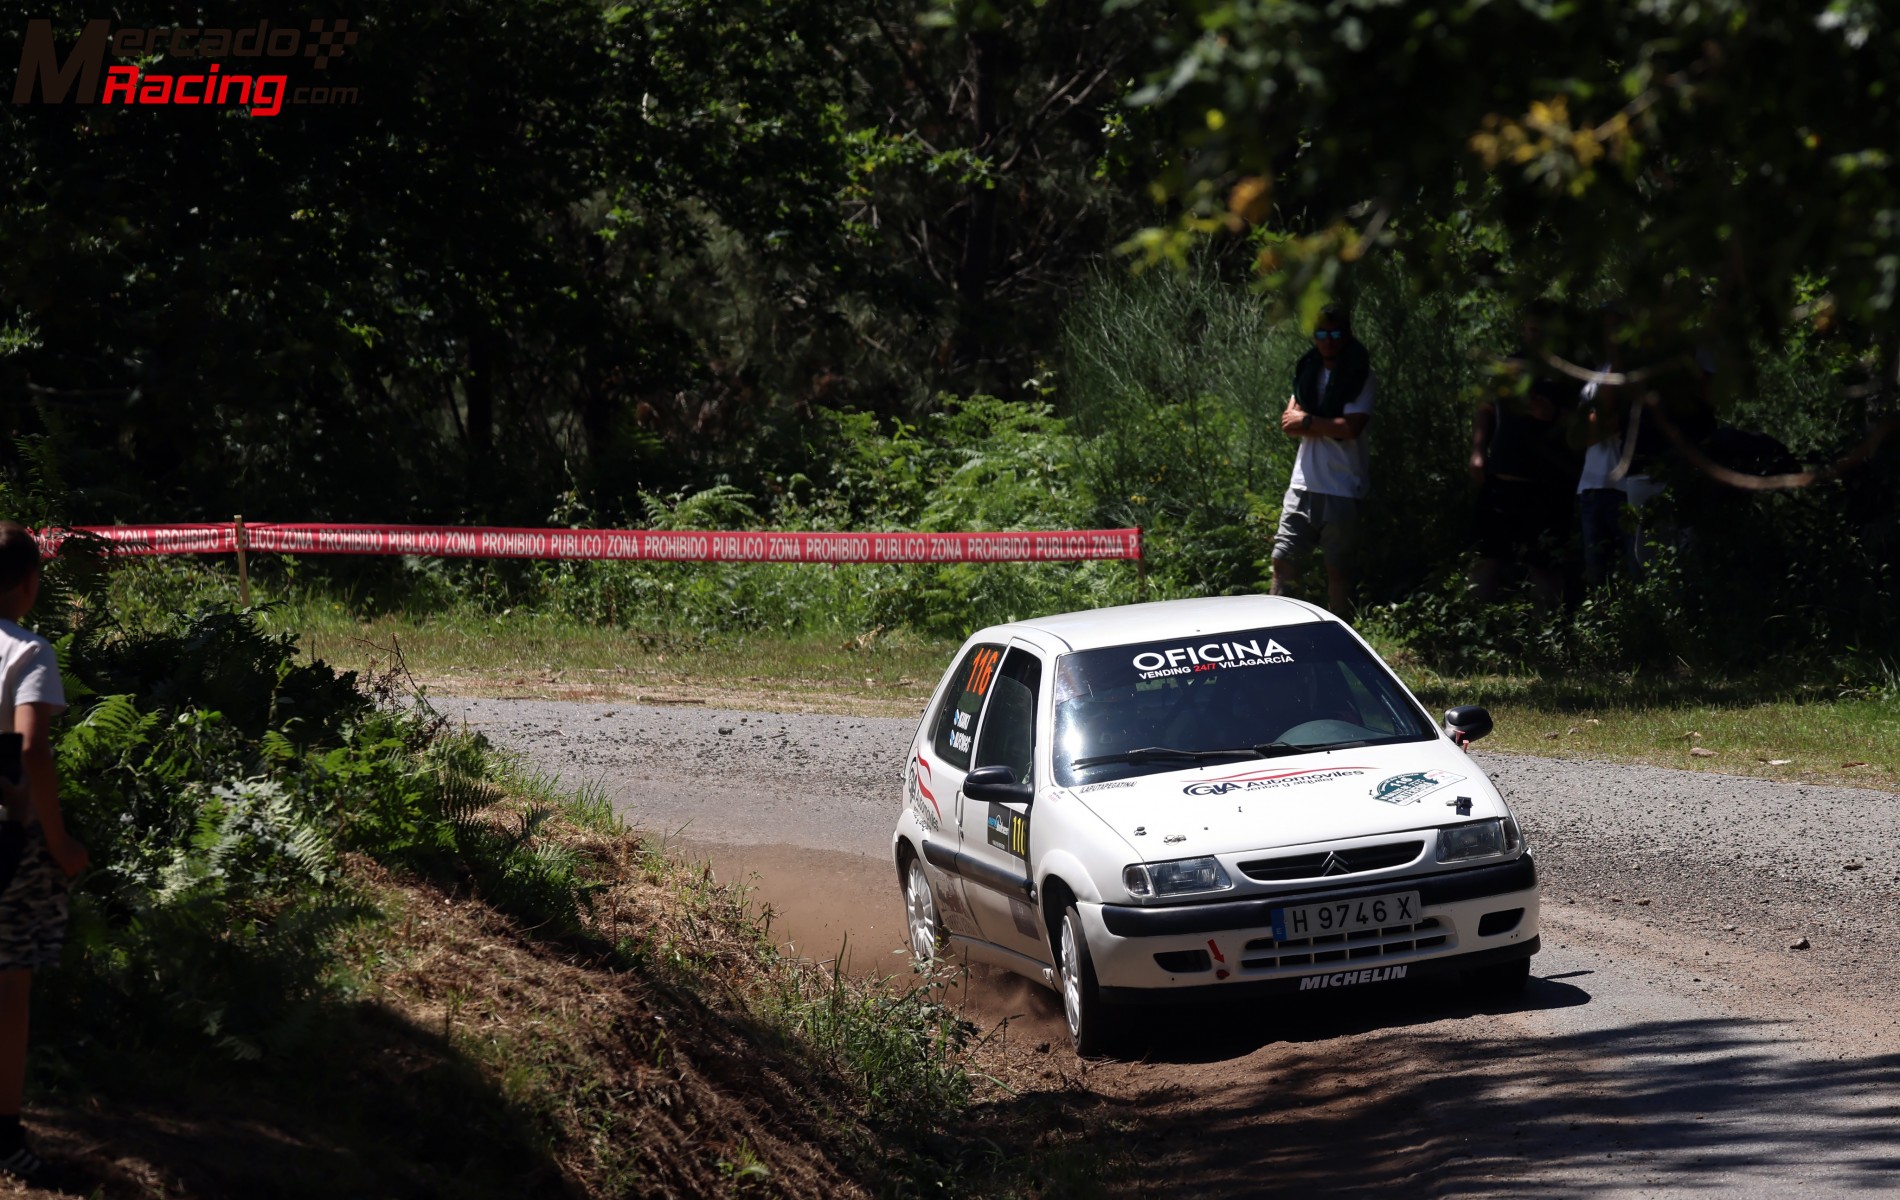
<point x="1009" y="727"/>
<point x="1374" y="713"/>
<point x="956" y="726"/>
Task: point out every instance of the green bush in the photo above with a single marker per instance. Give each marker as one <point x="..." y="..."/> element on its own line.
<point x="214" y="900"/>
<point x="216" y="780"/>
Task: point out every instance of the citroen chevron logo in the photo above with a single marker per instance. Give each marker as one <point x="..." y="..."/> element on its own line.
<point x="1333" y="866"/>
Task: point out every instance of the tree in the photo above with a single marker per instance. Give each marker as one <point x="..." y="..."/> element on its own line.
<point x="1727" y="166"/>
<point x="449" y="300"/>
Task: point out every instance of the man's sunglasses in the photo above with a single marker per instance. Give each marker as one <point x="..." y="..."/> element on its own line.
<point x="1320" y="335"/>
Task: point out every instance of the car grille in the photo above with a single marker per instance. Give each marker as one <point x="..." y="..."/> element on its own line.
<point x="1344" y="862"/>
<point x="1346" y="947"/>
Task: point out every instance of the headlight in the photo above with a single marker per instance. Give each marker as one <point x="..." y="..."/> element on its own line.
<point x="1183" y="877"/>
<point x="1480" y="839"/>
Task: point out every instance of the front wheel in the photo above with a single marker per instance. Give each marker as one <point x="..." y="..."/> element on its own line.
<point x="920" y="910"/>
<point x="1094" y="1028"/>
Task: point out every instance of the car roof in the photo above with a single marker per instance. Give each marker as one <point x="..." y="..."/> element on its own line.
<point x="1163" y="619"/>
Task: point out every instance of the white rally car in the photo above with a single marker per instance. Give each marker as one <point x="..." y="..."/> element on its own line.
<point x="1217" y="798"/>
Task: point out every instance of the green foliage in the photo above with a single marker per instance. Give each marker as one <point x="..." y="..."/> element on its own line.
<point x="1563" y="143"/>
<point x="1177" y="381"/>
<point x="981" y="462"/>
<point x="1176" y="384"/>
<point x="901" y="1049"/>
<point x="614" y="256"/>
<point x="216" y="780"/>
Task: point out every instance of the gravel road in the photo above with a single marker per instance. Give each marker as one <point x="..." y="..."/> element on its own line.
<point x="1675" y="1042"/>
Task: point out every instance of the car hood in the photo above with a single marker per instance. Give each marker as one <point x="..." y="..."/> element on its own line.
<point x="1241" y="806"/>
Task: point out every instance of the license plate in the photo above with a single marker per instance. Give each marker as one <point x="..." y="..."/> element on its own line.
<point x="1344" y="916"/>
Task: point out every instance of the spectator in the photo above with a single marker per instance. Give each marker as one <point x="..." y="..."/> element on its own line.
<point x="1627" y="444"/>
<point x="1601" y="486"/>
<point x="1328" y="412"/>
<point x="1524" y="471"/>
<point x="33" y="901"/>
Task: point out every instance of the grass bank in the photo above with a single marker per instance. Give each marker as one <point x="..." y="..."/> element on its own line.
<point x="1773" y="728"/>
<point x="330" y="944"/>
<point x="661" y="1047"/>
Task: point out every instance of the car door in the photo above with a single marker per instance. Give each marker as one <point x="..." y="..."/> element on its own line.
<point x="934" y="778"/>
<point x="997" y="877"/>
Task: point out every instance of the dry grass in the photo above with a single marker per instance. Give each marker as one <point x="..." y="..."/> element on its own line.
<point x="876" y="673"/>
<point x="1772" y="728"/>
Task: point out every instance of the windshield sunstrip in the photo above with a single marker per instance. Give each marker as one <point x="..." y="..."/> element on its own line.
<point x="1256" y="693"/>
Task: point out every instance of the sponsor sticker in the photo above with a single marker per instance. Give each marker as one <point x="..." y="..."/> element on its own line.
<point x="1413" y="786"/>
<point x="1210" y="656"/>
<point x="922" y="801"/>
<point x="1266" y="781"/>
<point x="1098" y="787"/>
<point x="1352" y="978"/>
<point x="1008" y="830"/>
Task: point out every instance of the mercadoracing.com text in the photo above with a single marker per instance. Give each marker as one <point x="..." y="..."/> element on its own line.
<point x="77" y="75"/>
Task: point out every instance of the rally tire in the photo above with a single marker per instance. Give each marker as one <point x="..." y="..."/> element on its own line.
<point x="921" y="915"/>
<point x="1095" y="1025"/>
<point x="1499" y="981"/>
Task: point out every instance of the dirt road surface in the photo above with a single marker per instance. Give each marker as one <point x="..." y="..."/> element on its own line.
<point x="1673" y="1043"/>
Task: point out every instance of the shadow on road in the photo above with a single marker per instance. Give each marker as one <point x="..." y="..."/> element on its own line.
<point x="1344" y="1100"/>
<point x="1205" y="1033"/>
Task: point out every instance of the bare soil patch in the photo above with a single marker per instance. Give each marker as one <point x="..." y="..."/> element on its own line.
<point x="490" y="1062"/>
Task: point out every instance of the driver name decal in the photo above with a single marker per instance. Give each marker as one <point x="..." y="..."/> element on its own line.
<point x="1413" y="786"/>
<point x="1213" y="656"/>
<point x="1258" y="781"/>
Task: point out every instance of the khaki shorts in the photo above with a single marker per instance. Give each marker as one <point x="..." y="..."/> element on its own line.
<point x="1314" y="518"/>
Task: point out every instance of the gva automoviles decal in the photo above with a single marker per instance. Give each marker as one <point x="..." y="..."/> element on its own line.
<point x="1212" y="656"/>
<point x="1413" y="786"/>
<point x="1258" y="782"/>
<point x="915" y="776"/>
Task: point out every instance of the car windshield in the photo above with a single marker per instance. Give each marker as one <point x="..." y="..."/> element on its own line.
<point x="1257" y="693"/>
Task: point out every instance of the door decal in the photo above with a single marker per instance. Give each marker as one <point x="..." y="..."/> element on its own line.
<point x="1008" y="830"/>
<point x="918" y="779"/>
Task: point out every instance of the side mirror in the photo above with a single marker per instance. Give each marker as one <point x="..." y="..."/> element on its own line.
<point x="998" y="785"/>
<point x="1467" y="724"/>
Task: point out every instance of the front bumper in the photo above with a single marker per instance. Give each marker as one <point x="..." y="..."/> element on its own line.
<point x="1226" y="948"/>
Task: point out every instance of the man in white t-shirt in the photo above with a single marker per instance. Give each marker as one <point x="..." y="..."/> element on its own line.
<point x="1602" y="487"/>
<point x="1328" y="412"/>
<point x="39" y="854"/>
<point x="1610" y="493"/>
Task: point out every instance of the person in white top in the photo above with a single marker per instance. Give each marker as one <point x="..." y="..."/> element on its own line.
<point x="37" y="855"/>
<point x="1328" y="412"/>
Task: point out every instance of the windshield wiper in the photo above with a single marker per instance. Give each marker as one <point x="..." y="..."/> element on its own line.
<point x="1167" y="753"/>
<point x="1278" y="749"/>
<point x="1155" y="753"/>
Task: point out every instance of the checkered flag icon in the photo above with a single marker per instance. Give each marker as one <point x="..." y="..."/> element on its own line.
<point x="326" y="44"/>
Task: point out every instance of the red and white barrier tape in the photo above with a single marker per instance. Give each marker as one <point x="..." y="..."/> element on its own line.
<point x="461" y="541"/>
